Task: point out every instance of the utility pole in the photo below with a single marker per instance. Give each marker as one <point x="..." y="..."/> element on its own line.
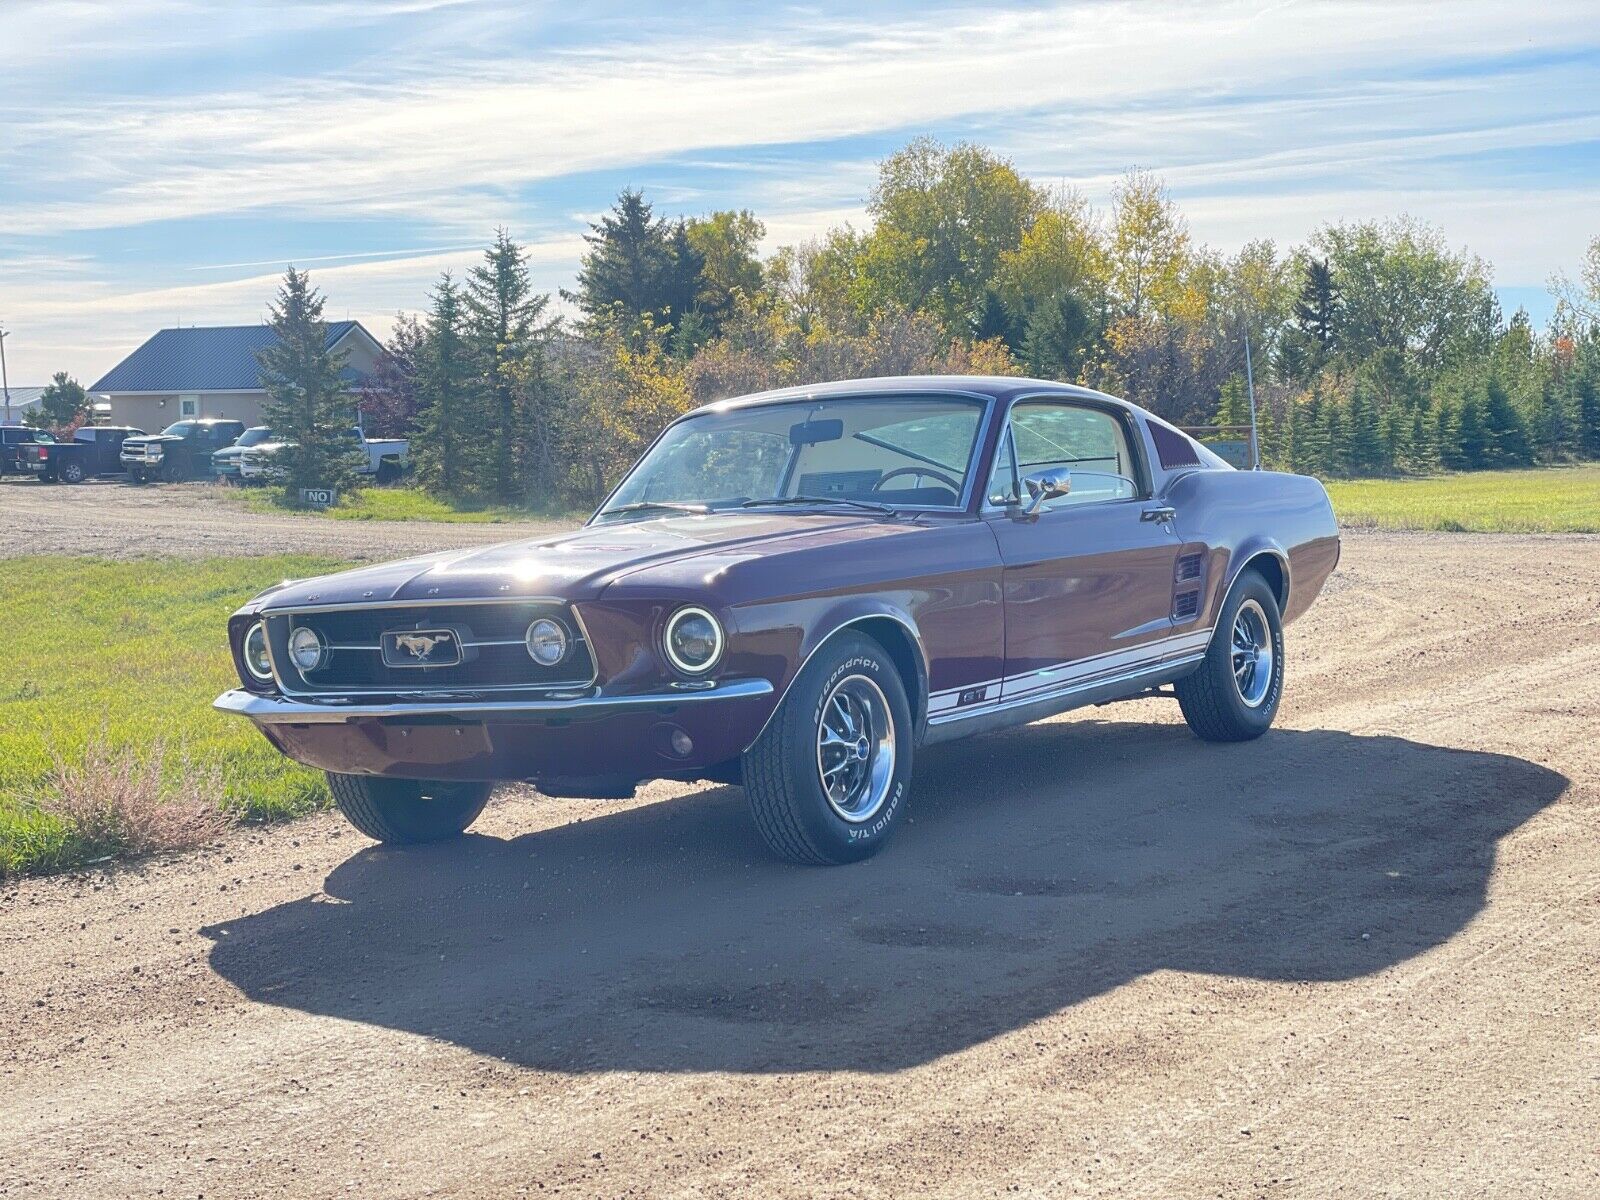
<point x="5" y="383"/>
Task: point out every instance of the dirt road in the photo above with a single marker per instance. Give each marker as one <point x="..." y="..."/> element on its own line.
<point x="112" y="519"/>
<point x="1358" y="957"/>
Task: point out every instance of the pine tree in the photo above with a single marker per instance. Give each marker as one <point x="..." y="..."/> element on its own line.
<point x="1471" y="448"/>
<point x="1505" y="434"/>
<point x="449" y="417"/>
<point x="1337" y="458"/>
<point x="1586" y="397"/>
<point x="1316" y="311"/>
<point x="1364" y="453"/>
<point x="306" y="403"/>
<point x="626" y="274"/>
<point x="502" y="320"/>
<point x="1311" y="437"/>
<point x="1058" y="334"/>
<point x="1423" y="454"/>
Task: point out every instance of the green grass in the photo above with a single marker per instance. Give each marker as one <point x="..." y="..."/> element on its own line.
<point x="126" y="657"/>
<point x="407" y="504"/>
<point x="1548" y="500"/>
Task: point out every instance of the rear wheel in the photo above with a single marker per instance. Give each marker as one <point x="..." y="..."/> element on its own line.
<point x="1234" y="694"/>
<point x="71" y="472"/>
<point x="408" y="811"/>
<point x="828" y="778"/>
<point x="388" y="471"/>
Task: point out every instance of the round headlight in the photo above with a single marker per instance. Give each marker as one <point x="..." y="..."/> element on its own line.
<point x="546" y="641"/>
<point x="306" y="650"/>
<point x="255" y="653"/>
<point x="693" y="640"/>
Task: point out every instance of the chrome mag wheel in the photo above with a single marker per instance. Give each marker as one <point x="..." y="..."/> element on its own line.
<point x="855" y="748"/>
<point x="1252" y="653"/>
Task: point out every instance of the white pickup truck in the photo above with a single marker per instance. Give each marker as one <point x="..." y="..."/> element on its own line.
<point x="386" y="457"/>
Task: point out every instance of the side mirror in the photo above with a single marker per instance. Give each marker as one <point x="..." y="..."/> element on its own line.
<point x="1046" y="485"/>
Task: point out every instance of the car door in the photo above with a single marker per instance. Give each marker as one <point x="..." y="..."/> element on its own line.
<point x="1087" y="576"/>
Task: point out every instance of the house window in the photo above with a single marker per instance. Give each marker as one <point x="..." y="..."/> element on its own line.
<point x="188" y="406"/>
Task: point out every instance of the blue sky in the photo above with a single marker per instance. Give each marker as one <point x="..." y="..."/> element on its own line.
<point x="161" y="160"/>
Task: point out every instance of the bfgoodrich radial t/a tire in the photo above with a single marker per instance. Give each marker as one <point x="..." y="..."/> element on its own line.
<point x="1234" y="694"/>
<point x="408" y="811"/>
<point x="828" y="778"/>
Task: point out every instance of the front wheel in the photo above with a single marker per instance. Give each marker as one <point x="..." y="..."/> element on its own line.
<point x="827" y="779"/>
<point x="174" y="471"/>
<point x="408" y="812"/>
<point x="1233" y="695"/>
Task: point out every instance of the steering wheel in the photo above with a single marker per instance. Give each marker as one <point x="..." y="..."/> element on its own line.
<point x="919" y="472"/>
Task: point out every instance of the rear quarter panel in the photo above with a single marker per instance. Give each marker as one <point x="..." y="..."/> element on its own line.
<point x="1237" y="515"/>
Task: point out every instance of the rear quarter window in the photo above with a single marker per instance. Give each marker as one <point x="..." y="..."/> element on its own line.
<point x="1172" y="448"/>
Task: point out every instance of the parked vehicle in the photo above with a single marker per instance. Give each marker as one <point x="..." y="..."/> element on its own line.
<point x="181" y="451"/>
<point x="797" y="591"/>
<point x="94" y="450"/>
<point x="383" y="458"/>
<point x="12" y="440"/>
<point x="225" y="462"/>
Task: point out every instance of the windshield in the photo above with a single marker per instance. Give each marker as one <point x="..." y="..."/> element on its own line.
<point x="904" y="452"/>
<point x="255" y="436"/>
<point x="181" y="429"/>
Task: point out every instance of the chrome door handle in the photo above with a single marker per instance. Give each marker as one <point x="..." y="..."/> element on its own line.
<point x="1163" y="514"/>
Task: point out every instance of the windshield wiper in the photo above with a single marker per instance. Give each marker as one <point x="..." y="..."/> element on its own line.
<point x="869" y="505"/>
<point x="655" y="506"/>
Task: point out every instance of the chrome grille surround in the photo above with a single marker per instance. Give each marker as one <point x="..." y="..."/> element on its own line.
<point x="494" y="657"/>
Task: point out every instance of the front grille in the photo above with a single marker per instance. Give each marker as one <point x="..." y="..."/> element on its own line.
<point x="493" y="654"/>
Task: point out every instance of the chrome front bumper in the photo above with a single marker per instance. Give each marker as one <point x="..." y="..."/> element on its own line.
<point x="276" y="710"/>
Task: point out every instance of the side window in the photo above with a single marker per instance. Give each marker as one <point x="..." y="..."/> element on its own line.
<point x="1091" y="444"/>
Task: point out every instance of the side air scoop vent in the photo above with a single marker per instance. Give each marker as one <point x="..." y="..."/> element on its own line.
<point x="1185" y="605"/>
<point x="1190" y="566"/>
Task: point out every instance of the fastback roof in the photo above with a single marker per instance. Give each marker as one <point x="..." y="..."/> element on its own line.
<point x="206" y="358"/>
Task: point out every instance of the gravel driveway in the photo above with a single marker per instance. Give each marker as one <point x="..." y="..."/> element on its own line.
<point x="1358" y="957"/>
<point x="112" y="519"/>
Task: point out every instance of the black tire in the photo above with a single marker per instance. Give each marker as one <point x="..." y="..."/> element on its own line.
<point x="782" y="775"/>
<point x="174" y="470"/>
<point x="408" y="812"/>
<point x="71" y="472"/>
<point x="1218" y="706"/>
<point x="135" y="476"/>
<point x="388" y="471"/>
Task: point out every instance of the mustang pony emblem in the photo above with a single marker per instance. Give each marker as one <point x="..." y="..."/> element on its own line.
<point x="419" y="645"/>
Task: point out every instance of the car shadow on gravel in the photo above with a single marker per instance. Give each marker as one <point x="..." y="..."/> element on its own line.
<point x="1042" y="867"/>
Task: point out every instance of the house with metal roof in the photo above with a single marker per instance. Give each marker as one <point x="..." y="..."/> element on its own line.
<point x="212" y="371"/>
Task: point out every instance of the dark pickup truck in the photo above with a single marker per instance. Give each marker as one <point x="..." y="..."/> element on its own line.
<point x="93" y="450"/>
<point x="14" y="439"/>
<point x="180" y="451"/>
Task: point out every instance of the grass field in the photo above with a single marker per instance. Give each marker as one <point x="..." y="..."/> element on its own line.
<point x="115" y="664"/>
<point x="408" y="504"/>
<point x="1548" y="500"/>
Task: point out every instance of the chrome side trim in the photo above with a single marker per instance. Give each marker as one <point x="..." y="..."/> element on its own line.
<point x="1037" y="706"/>
<point x="276" y="710"/>
<point x="1046" y="680"/>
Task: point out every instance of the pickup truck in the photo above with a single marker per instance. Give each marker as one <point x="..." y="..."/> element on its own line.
<point x="180" y="451"/>
<point x="93" y="450"/>
<point x="385" y="458"/>
<point x="225" y="462"/>
<point x="13" y="440"/>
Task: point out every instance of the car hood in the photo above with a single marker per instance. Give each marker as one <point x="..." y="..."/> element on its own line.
<point x="577" y="565"/>
<point x="150" y="438"/>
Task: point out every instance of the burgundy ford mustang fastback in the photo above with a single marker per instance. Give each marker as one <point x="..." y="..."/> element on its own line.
<point x="794" y="591"/>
